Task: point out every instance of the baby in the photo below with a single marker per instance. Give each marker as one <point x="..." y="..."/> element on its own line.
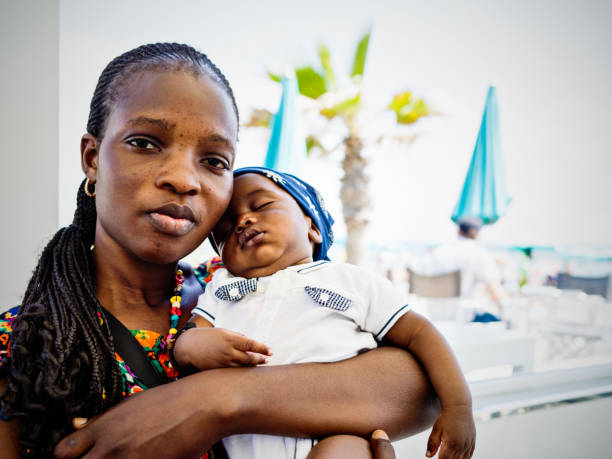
<point x="279" y="288"/>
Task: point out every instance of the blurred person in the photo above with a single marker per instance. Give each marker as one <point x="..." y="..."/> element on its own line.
<point x="480" y="275"/>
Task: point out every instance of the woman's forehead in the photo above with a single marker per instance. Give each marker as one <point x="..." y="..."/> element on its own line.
<point x="176" y="98"/>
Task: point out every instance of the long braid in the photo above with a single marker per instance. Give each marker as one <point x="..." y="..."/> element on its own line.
<point x="62" y="359"/>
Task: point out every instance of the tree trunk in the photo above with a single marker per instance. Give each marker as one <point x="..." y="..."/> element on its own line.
<point x="355" y="200"/>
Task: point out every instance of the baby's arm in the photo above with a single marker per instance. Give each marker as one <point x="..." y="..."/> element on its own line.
<point x="204" y="347"/>
<point x="455" y="425"/>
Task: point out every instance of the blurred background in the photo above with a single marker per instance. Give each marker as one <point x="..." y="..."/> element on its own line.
<point x="550" y="64"/>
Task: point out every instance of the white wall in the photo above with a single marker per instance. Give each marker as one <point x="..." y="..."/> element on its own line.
<point x="549" y="60"/>
<point x="29" y="52"/>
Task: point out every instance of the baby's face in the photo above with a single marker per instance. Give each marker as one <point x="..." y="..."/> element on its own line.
<point x="263" y="230"/>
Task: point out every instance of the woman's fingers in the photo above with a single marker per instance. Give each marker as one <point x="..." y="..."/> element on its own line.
<point x="74" y="445"/>
<point x="381" y="445"/>
<point x="79" y="423"/>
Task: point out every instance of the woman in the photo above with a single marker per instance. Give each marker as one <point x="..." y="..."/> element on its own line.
<point x="158" y="154"/>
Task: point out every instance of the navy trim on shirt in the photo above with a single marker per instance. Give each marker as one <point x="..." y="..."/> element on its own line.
<point x="312" y="266"/>
<point x="389" y="321"/>
<point x="211" y="317"/>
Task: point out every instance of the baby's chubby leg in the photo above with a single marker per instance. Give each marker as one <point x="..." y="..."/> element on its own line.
<point x="341" y="446"/>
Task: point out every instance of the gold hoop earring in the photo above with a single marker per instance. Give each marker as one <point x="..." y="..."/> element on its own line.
<point x="86" y="187"/>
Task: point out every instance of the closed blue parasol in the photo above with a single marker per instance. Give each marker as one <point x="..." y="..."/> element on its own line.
<point x="287" y="147"/>
<point x="484" y="190"/>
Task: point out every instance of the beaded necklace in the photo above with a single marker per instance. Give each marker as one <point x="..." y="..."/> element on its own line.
<point x="175" y="306"/>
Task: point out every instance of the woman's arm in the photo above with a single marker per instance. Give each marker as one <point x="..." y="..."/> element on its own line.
<point x="9" y="434"/>
<point x="384" y="388"/>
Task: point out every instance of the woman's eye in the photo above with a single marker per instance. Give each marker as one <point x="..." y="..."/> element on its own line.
<point x="216" y="163"/>
<point x="142" y="143"/>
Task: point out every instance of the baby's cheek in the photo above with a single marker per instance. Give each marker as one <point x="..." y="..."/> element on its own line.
<point x="230" y="256"/>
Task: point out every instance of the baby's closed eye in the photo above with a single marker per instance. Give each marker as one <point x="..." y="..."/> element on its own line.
<point x="262" y="205"/>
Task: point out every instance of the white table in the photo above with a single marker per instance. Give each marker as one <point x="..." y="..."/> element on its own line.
<point x="484" y="345"/>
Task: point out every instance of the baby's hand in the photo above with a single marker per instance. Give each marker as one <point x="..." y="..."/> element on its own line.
<point x="456" y="430"/>
<point x="207" y="348"/>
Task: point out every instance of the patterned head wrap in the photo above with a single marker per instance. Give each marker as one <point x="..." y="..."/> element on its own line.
<point x="309" y="200"/>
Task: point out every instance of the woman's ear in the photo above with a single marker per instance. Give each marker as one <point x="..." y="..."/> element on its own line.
<point x="89" y="156"/>
<point x="313" y="233"/>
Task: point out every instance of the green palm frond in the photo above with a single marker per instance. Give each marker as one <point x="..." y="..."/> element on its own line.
<point x="348" y="107"/>
<point x="274" y="76"/>
<point x="407" y="108"/>
<point x="328" y="71"/>
<point x="361" y="53"/>
<point x="310" y="82"/>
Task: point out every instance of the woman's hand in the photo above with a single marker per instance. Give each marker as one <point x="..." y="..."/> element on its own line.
<point x="169" y="421"/>
<point x="455" y="429"/>
<point x="381" y="445"/>
<point x="208" y="348"/>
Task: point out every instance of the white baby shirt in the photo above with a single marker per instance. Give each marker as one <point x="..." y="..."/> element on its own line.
<point x="314" y="312"/>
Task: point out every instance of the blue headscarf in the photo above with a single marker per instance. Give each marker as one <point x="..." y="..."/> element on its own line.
<point x="309" y="200"/>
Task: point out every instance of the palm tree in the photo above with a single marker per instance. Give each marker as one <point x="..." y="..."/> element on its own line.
<point x="332" y="101"/>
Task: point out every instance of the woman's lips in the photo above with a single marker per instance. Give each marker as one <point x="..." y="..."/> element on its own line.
<point x="170" y="225"/>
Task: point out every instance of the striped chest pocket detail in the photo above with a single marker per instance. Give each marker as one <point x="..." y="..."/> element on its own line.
<point x="328" y="298"/>
<point x="236" y="290"/>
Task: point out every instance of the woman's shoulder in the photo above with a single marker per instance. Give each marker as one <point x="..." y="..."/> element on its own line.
<point x="204" y="272"/>
<point x="6" y="329"/>
<point x="7" y="318"/>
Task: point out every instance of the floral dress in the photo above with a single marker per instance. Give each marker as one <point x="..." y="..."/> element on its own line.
<point x="153" y="343"/>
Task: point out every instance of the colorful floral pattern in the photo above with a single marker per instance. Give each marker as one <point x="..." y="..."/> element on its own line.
<point x="6" y="328"/>
<point x="205" y="271"/>
<point x="154" y="345"/>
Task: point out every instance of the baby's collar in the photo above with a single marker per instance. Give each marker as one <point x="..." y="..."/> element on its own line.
<point x="235" y="288"/>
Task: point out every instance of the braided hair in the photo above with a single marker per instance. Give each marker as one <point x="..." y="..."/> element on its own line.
<point x="62" y="357"/>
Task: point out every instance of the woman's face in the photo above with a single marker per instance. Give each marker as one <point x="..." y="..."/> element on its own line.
<point x="163" y="168"/>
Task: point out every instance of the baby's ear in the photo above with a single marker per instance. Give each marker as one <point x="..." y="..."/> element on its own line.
<point x="314" y="235"/>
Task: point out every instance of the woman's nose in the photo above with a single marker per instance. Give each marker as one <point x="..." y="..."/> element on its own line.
<point x="179" y="174"/>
